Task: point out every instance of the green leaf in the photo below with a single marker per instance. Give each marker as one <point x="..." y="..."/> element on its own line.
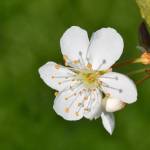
<point x="144" y="6"/>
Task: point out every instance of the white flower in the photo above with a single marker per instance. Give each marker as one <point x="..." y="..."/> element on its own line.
<point x="88" y="87"/>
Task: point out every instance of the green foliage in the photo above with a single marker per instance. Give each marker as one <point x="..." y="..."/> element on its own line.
<point x="29" y="36"/>
<point x="144" y="6"/>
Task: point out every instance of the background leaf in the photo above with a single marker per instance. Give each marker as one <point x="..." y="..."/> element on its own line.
<point x="144" y="6"/>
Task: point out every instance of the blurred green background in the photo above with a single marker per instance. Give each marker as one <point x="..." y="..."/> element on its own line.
<point x="29" y="37"/>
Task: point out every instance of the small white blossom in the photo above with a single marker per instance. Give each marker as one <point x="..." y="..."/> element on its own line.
<point x="88" y="87"/>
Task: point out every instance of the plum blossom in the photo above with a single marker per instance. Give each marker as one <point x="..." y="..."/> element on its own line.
<point x="87" y="86"/>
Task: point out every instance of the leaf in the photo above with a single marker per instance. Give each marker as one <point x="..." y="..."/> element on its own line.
<point x="144" y="6"/>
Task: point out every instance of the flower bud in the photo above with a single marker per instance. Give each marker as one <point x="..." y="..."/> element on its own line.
<point x="113" y="104"/>
<point x="144" y="59"/>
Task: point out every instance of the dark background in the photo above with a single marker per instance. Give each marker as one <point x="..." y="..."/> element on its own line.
<point x="30" y="31"/>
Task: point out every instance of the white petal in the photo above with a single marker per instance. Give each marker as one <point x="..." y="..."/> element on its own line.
<point x="108" y="121"/>
<point x="106" y="47"/>
<point x="56" y="76"/>
<point x="73" y="41"/>
<point x="93" y="105"/>
<point x="114" y="104"/>
<point x="119" y="86"/>
<point x="68" y="104"/>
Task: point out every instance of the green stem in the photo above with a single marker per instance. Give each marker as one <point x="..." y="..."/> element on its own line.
<point x="143" y="79"/>
<point x="127" y="62"/>
<point x="138" y="71"/>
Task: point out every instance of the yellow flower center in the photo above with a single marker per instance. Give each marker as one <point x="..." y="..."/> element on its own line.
<point x="90" y="78"/>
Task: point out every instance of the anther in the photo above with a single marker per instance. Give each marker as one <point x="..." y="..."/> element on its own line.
<point x="57" y="66"/>
<point x="89" y="66"/>
<point x="120" y="90"/>
<point x="76" y="62"/>
<point x="84" y="90"/>
<point x="65" y="57"/>
<point x="80" y="93"/>
<point x="116" y="78"/>
<point x="52" y="77"/>
<point x="104" y="61"/>
<point x="76" y="113"/>
<point x="87" y="109"/>
<point x="113" y="88"/>
<point x="56" y="93"/>
<point x="85" y="98"/>
<point x="80" y="53"/>
<point x="75" y="94"/>
<point x="81" y="104"/>
<point x="59" y="83"/>
<point x="66" y="109"/>
<point x="66" y="98"/>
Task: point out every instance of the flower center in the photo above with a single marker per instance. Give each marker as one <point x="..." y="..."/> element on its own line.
<point x="90" y="78"/>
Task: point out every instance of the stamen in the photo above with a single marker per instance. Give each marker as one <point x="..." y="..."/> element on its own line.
<point x="89" y="102"/>
<point x="57" y="66"/>
<point x="80" y="92"/>
<point x="76" y="62"/>
<point x="94" y="90"/>
<point x="107" y="86"/>
<point x="74" y="66"/>
<point x="73" y="94"/>
<point x="103" y="62"/>
<point x="72" y="87"/>
<point x="66" y="76"/>
<point x="68" y="62"/>
<point x="73" y="100"/>
<point x="77" y="114"/>
<point x="52" y="77"/>
<point x="80" y="106"/>
<point x="81" y="59"/>
<point x="85" y="98"/>
<point x="87" y="109"/>
<point x="115" y="78"/>
<point x="92" y="100"/>
<point x="89" y="66"/>
<point x="84" y="90"/>
<point x="69" y="80"/>
<point x="88" y="59"/>
<point x="66" y="109"/>
<point x="56" y="93"/>
<point x="65" y="57"/>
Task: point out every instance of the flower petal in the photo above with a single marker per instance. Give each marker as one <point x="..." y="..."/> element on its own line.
<point x="114" y="104"/>
<point x="106" y="47"/>
<point x="69" y="104"/>
<point x="73" y="42"/>
<point x="93" y="105"/>
<point x="119" y="86"/>
<point x="108" y="121"/>
<point x="56" y="76"/>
